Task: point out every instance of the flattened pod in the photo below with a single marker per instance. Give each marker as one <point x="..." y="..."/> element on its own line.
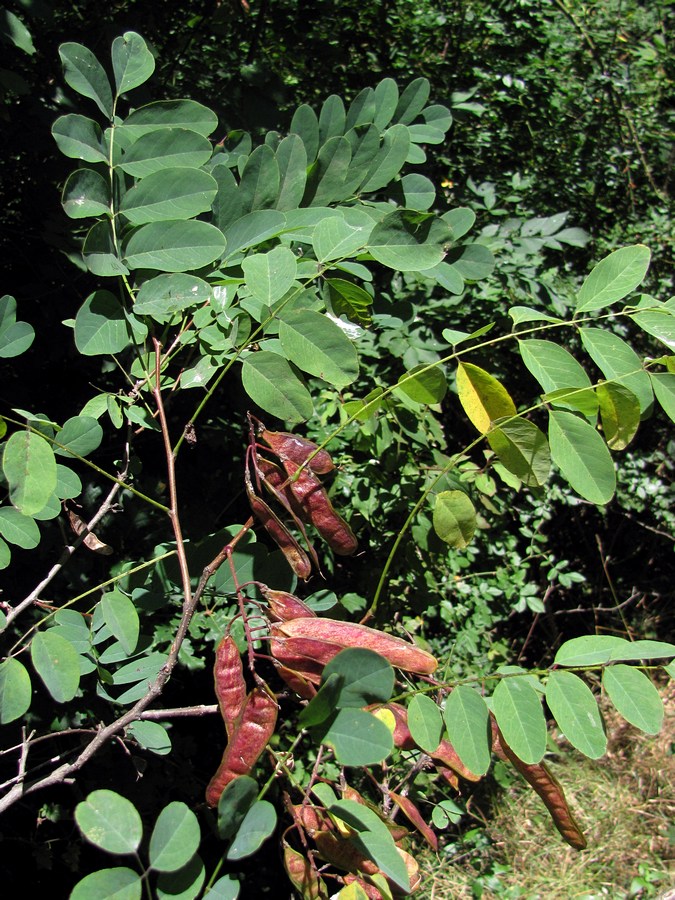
<point x="318" y="510"/>
<point x="249" y="739"/>
<point x="544" y="783"/>
<point x="298" y="450"/>
<point x="295" y="555"/>
<point x="228" y="678"/>
<point x="285" y="606"/>
<point x="398" y="652"/>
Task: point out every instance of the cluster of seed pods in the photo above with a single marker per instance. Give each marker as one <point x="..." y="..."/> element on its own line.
<point x="298" y="493"/>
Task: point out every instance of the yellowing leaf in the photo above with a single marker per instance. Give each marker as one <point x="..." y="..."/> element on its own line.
<point x="484" y="399"/>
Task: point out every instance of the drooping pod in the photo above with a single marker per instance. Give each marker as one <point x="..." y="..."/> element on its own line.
<point x="230" y="687"/>
<point x="544" y="783"/>
<point x="319" y="511"/>
<point x="249" y="738"/>
<point x="298" y="450"/>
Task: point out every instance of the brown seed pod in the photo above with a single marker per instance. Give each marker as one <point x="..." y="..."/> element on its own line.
<point x="400" y="653"/>
<point x="285" y="606"/>
<point x="295" y="555"/>
<point x="249" y="738"/>
<point x="303" y="875"/>
<point x="316" y="505"/>
<point x="228" y="677"/>
<point x="298" y="450"/>
<point x="413" y="815"/>
<point x="544" y="783"/>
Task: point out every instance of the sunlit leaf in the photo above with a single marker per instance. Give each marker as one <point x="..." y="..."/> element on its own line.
<point x="318" y="346"/>
<point x="614" y="277"/>
<point x="619" y="414"/>
<point x="618" y="362"/>
<point x="174" y="839"/>
<point x="256" y="827"/>
<point x="582" y="456"/>
<point x="425" y="722"/>
<point x="29" y="465"/>
<point x="523" y="450"/>
<point x="484" y="399"/>
<point x="110" y="821"/>
<point x="132" y="62"/>
<point x="635" y="697"/>
<point x="575" y="709"/>
<point x="118" y="883"/>
<point x="454" y="518"/>
<point x="15" y="690"/>
<point x="519" y="714"/>
<point x="85" y="74"/>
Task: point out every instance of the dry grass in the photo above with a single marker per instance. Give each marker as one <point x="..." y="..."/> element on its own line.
<point x="625" y="803"/>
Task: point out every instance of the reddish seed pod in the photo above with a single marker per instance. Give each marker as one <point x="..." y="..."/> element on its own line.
<point x="298" y="450"/>
<point x="295" y="555"/>
<point x="318" y="510"/>
<point x="249" y="738"/>
<point x="285" y="606"/>
<point x="303" y="875"/>
<point x="400" y="653"/>
<point x="413" y="815"/>
<point x="544" y="783"/>
<point x="297" y="682"/>
<point x="228" y="677"/>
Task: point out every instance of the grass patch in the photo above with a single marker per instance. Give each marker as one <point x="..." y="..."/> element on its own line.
<point x="625" y="804"/>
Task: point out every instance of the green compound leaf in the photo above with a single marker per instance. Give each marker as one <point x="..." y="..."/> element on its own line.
<point x="57" y="663"/>
<point x="100" y="251"/>
<point x="151" y="736"/>
<point x="523" y="449"/>
<point x="183" y="884"/>
<point x="318" y="346"/>
<point x="235" y="801"/>
<point x="635" y="697"/>
<point x="423" y="385"/>
<point x="663" y="384"/>
<point x="118" y="883"/>
<point x="335" y="237"/>
<point x="257" y="826"/>
<point x="110" y="821"/>
<point x="270" y="382"/>
<point x="132" y="62"/>
<point x="165" y="295"/>
<point x="29" y="465"/>
<point x="166" y="148"/>
<point x="85" y="194"/>
<point x="292" y="163"/>
<point x="79" y="138"/>
<point x="226" y="888"/>
<point x="358" y="738"/>
<point x="484" y="399"/>
<point x="259" y="185"/>
<point x="518" y="711"/>
<point x="582" y="456"/>
<point x="349" y="300"/>
<point x="187" y="114"/>
<point x="589" y="650"/>
<point x="18" y="528"/>
<point x="173" y="246"/>
<point x="614" y="277"/>
<point x="79" y="436"/>
<point x="15" y="337"/>
<point x="269" y="275"/>
<point x="552" y="365"/>
<point x="618" y="362"/>
<point x="467" y="722"/>
<point x="101" y="327"/>
<point x="175" y="838"/>
<point x="425" y="722"/>
<point x="15" y="690"/>
<point x="575" y="710"/>
<point x="120" y="615"/>
<point x="176" y="193"/>
<point x="454" y="518"/>
<point x="409" y="241"/>
<point x="366" y="677"/>
<point x="619" y="414"/>
<point x="85" y="74"/>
